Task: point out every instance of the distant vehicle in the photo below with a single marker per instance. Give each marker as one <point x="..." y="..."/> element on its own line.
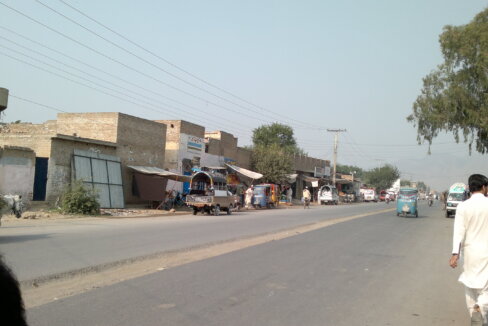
<point x="383" y="195"/>
<point x="457" y="194"/>
<point x="209" y="194"/>
<point x="328" y="195"/>
<point x="369" y="194"/>
<point x="265" y="195"/>
<point x="407" y="202"/>
<point x="392" y="195"/>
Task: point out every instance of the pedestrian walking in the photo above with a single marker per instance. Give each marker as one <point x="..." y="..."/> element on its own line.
<point x="249" y="195"/>
<point x="289" y="195"/>
<point x="470" y="239"/>
<point x="306" y="198"/>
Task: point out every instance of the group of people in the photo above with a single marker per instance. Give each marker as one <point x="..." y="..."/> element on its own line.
<point x="249" y="194"/>
<point x="470" y="239"/>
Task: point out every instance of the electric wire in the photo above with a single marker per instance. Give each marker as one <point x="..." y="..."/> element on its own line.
<point x="98" y="70"/>
<point x="87" y="86"/>
<point x="130" y="67"/>
<point x="179" y="110"/>
<point x="154" y="65"/>
<point x="172" y="64"/>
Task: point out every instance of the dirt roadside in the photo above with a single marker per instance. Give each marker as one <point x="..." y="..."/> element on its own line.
<point x="39" y="292"/>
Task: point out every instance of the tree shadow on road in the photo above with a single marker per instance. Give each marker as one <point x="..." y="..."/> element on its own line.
<point x="21" y="238"/>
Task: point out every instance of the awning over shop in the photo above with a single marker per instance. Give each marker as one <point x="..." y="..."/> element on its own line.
<point x="292" y="178"/>
<point x="343" y="181"/>
<point x="151" y="170"/>
<point x="309" y="179"/>
<point x="248" y="173"/>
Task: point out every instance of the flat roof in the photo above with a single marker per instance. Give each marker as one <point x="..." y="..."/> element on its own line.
<point x="84" y="140"/>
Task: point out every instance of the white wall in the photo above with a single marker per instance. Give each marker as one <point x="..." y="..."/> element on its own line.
<point x="17" y="176"/>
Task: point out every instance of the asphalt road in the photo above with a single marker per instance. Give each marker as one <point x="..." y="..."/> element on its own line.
<point x="40" y="248"/>
<point x="377" y="270"/>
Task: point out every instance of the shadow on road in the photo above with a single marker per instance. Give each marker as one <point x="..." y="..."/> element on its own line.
<point x="21" y="238"/>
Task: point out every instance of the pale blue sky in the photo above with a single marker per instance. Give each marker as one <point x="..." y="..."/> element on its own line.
<point x="314" y="65"/>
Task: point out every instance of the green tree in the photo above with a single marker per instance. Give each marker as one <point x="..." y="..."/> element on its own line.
<point x="273" y="162"/>
<point x="382" y="177"/>
<point x="454" y="96"/>
<point x="405" y="183"/>
<point x="276" y="133"/>
<point x="421" y="186"/>
<point x="348" y="169"/>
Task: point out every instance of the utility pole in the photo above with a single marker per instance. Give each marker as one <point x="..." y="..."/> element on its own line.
<point x="337" y="131"/>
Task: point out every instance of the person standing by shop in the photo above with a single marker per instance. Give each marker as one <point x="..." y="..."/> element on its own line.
<point x="307" y="196"/>
<point x="470" y="238"/>
<point x="249" y="195"/>
<point x="289" y="195"/>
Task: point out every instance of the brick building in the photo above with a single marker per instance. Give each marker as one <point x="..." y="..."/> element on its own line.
<point x="189" y="146"/>
<point x="113" y="136"/>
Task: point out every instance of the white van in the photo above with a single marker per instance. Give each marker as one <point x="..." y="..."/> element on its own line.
<point x="369" y="194"/>
<point x="328" y="195"/>
<point x="457" y="194"/>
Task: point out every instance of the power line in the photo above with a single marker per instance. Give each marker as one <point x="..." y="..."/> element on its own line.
<point x="56" y="109"/>
<point x="93" y="67"/>
<point x="127" y="66"/>
<point x="150" y="63"/>
<point x="179" y="110"/>
<point x="170" y="63"/>
<point x="85" y="85"/>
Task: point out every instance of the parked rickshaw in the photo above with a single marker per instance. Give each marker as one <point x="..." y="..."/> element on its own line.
<point x="407" y="202"/>
<point x="266" y="195"/>
<point x="209" y="194"/>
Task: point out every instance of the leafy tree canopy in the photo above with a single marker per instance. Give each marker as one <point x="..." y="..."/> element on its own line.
<point x="405" y="183"/>
<point x="278" y="134"/>
<point x="454" y="97"/>
<point x="382" y="177"/>
<point x="422" y="186"/>
<point x="348" y="169"/>
<point x="273" y="162"/>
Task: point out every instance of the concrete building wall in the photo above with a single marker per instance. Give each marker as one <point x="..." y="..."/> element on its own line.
<point x="212" y="160"/>
<point x="178" y="135"/>
<point x="184" y="148"/>
<point x="17" y="168"/>
<point x="213" y="147"/>
<point x="244" y="157"/>
<point x="308" y="164"/>
<point x="60" y="162"/>
<point x="139" y="141"/>
<point x="172" y="148"/>
<point x="228" y="144"/>
<point x="34" y="136"/>
<point x="96" y="125"/>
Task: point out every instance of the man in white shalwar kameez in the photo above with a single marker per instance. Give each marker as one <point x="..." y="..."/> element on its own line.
<point x="249" y="195"/>
<point x="471" y="239"/>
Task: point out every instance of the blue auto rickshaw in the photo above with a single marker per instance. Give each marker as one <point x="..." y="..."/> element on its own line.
<point x="263" y="196"/>
<point x="407" y="202"/>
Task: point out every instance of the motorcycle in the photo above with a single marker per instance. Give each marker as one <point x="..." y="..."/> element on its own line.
<point x="431" y="201"/>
